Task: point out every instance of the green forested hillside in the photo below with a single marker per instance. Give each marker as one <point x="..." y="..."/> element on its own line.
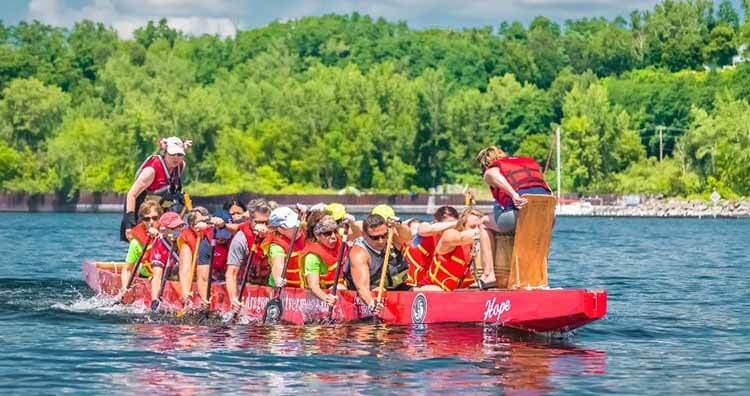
<point x="326" y="102"/>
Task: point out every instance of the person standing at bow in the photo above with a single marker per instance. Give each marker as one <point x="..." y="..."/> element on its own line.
<point x="159" y="178"/>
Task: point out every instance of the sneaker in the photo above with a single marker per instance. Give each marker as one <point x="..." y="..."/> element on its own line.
<point x="154" y="305"/>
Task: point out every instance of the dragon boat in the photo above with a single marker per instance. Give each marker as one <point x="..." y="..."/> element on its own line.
<point x="524" y="303"/>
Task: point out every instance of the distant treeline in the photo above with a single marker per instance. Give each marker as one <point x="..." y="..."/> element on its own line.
<point x="323" y="103"/>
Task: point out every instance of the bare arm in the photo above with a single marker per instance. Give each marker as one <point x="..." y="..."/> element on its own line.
<point x="141" y="183"/>
<point x="494" y="178"/>
<point x="452" y="238"/>
<point x="430" y="229"/>
<point x="360" y="268"/>
<point x="401" y="236"/>
<point x="277" y="267"/>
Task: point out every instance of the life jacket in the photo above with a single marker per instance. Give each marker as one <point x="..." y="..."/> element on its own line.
<point x="164" y="181"/>
<point x="259" y="269"/>
<point x="450" y="271"/>
<point x="220" y="252"/>
<point x="293" y="273"/>
<point x="141" y="235"/>
<point x="329" y="256"/>
<point x="160" y="251"/>
<point x="521" y="172"/>
<point x="397" y="267"/>
<point x="419" y="258"/>
<point x="189" y="237"/>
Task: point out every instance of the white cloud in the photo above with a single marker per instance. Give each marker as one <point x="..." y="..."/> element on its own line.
<point x="127" y="15"/>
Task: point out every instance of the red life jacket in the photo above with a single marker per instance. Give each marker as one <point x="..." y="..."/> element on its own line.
<point x="189" y="237"/>
<point x="259" y="268"/>
<point x="329" y="256"/>
<point x="420" y="259"/>
<point x="163" y="180"/>
<point x="450" y="271"/>
<point x="140" y="233"/>
<point x="220" y="250"/>
<point x="293" y="273"/>
<point x="521" y="173"/>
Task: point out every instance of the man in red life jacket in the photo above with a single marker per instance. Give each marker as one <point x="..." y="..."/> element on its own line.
<point x="245" y="241"/>
<point x="162" y="262"/>
<point x="283" y="222"/>
<point x="158" y="178"/>
<point x="509" y="179"/>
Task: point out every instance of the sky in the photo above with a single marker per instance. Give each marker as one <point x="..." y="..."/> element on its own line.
<point x="224" y="17"/>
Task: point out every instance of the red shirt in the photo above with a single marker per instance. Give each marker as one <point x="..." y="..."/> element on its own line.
<point x="160" y="253"/>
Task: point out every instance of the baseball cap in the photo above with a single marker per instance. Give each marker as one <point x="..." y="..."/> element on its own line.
<point x="170" y="220"/>
<point x="174" y="145"/>
<point x="384" y="211"/>
<point x="283" y="217"/>
<point x="336" y="210"/>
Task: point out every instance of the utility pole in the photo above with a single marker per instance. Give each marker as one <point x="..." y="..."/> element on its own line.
<point x="660" y="128"/>
<point x="557" y="162"/>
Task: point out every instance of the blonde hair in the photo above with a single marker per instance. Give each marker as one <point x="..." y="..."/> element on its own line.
<point x="147" y="206"/>
<point x="488" y="155"/>
<point x="461" y="224"/>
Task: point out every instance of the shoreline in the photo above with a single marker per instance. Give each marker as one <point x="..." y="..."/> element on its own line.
<point x="405" y="205"/>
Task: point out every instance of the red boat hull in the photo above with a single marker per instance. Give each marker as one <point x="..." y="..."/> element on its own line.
<point x="527" y="310"/>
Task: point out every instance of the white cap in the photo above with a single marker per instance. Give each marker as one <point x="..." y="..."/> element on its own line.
<point x="283" y="217"/>
<point x="174" y="145"/>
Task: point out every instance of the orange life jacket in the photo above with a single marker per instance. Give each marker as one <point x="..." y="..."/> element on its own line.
<point x="140" y="233"/>
<point x="293" y="273"/>
<point x="521" y="173"/>
<point x="420" y="259"/>
<point x="259" y="268"/>
<point x="189" y="237"/>
<point x="450" y="271"/>
<point x="329" y="256"/>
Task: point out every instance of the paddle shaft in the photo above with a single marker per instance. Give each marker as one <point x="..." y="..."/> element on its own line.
<point x="277" y="289"/>
<point x="339" y="262"/>
<point x="209" y="281"/>
<point x="165" y="273"/>
<point x="137" y="265"/>
<point x="244" y="279"/>
<point x="384" y="270"/>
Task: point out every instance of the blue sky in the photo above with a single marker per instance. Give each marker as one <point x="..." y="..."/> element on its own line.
<point x="224" y="16"/>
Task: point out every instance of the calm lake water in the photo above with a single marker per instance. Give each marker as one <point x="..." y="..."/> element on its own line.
<point x="677" y="323"/>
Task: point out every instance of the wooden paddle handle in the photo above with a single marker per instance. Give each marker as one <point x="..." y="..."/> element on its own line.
<point x="384" y="270"/>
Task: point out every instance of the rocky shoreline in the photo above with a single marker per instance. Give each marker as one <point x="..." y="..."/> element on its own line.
<point x="669" y="207"/>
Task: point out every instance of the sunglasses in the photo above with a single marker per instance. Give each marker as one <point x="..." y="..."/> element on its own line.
<point x="380" y="237"/>
<point x="236" y="214"/>
<point x="150" y="218"/>
<point x="176" y="155"/>
<point x="261" y="222"/>
<point x="327" y="234"/>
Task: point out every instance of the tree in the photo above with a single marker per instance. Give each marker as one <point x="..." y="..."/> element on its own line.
<point x="728" y="15"/>
<point x="31" y="111"/>
<point x="598" y="139"/>
<point x="721" y="46"/>
<point x="675" y="35"/>
<point x="152" y="32"/>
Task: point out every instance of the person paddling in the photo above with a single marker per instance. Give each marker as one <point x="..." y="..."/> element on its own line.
<point x="246" y="241"/>
<point x="450" y="269"/>
<point x="159" y="178"/>
<point x="364" y="264"/>
<point x="164" y="256"/>
<point x="420" y="253"/>
<point x="143" y="234"/>
<point x="283" y="222"/>
<point x="212" y="256"/>
<point x="320" y="256"/>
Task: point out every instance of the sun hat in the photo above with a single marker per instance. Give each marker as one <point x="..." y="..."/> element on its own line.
<point x="384" y="211"/>
<point x="174" y="145"/>
<point x="283" y="217"/>
<point x="336" y="210"/>
<point x="170" y="220"/>
<point x="325" y="224"/>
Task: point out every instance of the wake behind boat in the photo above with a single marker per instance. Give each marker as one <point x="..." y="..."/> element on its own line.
<point x="554" y="310"/>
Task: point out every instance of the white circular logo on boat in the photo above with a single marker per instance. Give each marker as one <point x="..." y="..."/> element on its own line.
<point x="419" y="308"/>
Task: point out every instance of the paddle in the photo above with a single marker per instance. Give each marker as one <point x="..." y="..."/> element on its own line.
<point x="274" y="308"/>
<point x="339" y="263"/>
<point x="384" y="270"/>
<point x="209" y="281"/>
<point x="137" y="267"/>
<point x="243" y="279"/>
<point x="475" y="255"/>
<point x="164" y="276"/>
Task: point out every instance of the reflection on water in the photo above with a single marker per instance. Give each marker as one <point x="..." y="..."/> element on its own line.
<point x="356" y="358"/>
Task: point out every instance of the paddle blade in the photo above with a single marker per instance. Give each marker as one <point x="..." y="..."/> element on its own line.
<point x="274" y="310"/>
